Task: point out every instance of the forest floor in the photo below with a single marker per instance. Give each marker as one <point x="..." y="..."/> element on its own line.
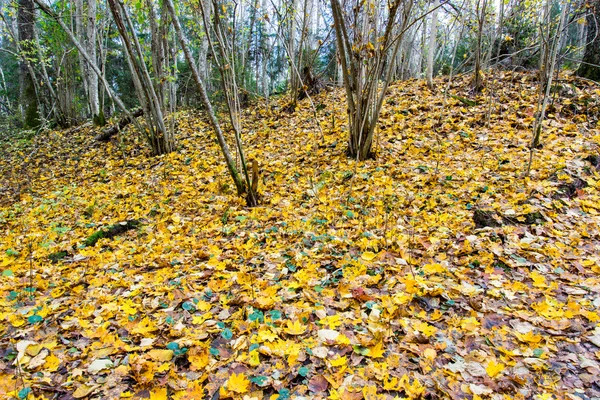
<point x="435" y="270"/>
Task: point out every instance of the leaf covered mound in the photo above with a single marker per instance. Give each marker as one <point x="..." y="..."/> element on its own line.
<point x="434" y="270"/>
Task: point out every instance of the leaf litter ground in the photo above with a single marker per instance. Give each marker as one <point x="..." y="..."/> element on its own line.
<point x="435" y="270"/>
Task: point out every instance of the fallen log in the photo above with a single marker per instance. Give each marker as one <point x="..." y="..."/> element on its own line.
<point x="111" y="231"/>
<point x="106" y="134"/>
<point x="78" y="128"/>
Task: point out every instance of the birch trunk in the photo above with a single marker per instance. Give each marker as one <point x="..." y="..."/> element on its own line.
<point x="432" y="40"/>
<point x="92" y="79"/>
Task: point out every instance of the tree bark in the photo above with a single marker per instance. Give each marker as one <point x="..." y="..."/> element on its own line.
<point x="113" y="130"/>
<point x="477" y="78"/>
<point x="203" y="66"/>
<point x="93" y="83"/>
<point x="432" y="40"/>
<point x="590" y="64"/>
<point x="28" y="96"/>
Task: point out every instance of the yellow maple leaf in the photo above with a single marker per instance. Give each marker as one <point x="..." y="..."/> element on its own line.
<point x="194" y="391"/>
<point x="591" y="316"/>
<point x="425" y="328"/>
<point x="199" y="319"/>
<point x="129" y="308"/>
<point x="391" y="383"/>
<point x="544" y="396"/>
<point x="333" y="321"/>
<point x="368" y="256"/>
<point x="528" y="337"/>
<point x="51" y="363"/>
<point x="411" y="285"/>
<point x="198" y="357"/>
<point x="470" y="324"/>
<point x="538" y="279"/>
<point x="202" y="305"/>
<point x="144" y="327"/>
<point x="435" y="268"/>
<point x="376" y="351"/>
<point x="414" y="389"/>
<point x="295" y="328"/>
<point x="159" y="394"/>
<point x="493" y="368"/>
<point x="338" y="362"/>
<point x="430" y="353"/>
<point x="238" y="383"/>
<point x="254" y="358"/>
<point x="266" y="299"/>
<point x="16" y="320"/>
<point x="83" y="391"/>
<point x="369" y="392"/>
<point x="266" y="335"/>
<point x="342" y="339"/>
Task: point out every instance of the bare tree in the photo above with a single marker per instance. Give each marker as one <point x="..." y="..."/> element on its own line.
<point x="29" y="99"/>
<point x="159" y="137"/>
<point x="549" y="47"/>
<point x="85" y="31"/>
<point x="432" y="43"/>
<point x="369" y="34"/>
<point x="590" y="64"/>
<point x="481" y="10"/>
<point x="80" y="47"/>
<point x="243" y="183"/>
<point x="92" y="79"/>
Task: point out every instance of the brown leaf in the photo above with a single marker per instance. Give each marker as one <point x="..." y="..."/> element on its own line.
<point x="318" y="383"/>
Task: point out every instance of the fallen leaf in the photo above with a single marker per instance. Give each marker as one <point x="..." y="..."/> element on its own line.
<point x="99" y="365"/>
<point x="318" y="384"/>
<point x="295" y="328"/>
<point x="238" y="383"/>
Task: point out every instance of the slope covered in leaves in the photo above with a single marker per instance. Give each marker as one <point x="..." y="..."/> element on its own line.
<point x="435" y="270"/>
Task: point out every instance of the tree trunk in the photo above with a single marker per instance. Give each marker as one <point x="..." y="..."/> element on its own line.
<point x="590" y="64"/>
<point x="85" y="31"/>
<point x="422" y="59"/>
<point x="548" y="64"/>
<point x="368" y="56"/>
<point x="203" y="66"/>
<point x="113" y="130"/>
<point x="158" y="53"/>
<point x="246" y="48"/>
<point x="265" y="52"/>
<point x="92" y="79"/>
<point x="55" y="104"/>
<point x="80" y="34"/>
<point x="116" y="99"/>
<point x="431" y="50"/>
<point x="477" y="79"/>
<point x="235" y="175"/>
<point x="294" y="84"/>
<point x="159" y="138"/>
<point x="29" y="102"/>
